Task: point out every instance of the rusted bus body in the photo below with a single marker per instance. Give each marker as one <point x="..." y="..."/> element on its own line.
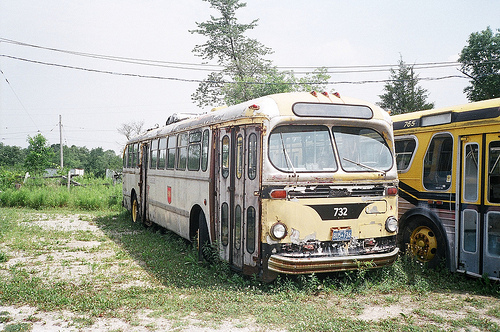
<point x="288" y="183"/>
<point x="449" y="172"/>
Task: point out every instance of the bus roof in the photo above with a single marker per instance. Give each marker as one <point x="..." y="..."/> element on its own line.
<point x="256" y="110"/>
<point x="475" y="111"/>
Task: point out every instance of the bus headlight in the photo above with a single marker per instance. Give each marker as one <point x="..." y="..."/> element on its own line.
<point x="391" y="224"/>
<point x="278" y="231"/>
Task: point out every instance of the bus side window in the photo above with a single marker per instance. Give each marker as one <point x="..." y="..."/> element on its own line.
<point x="153" y="154"/>
<point x="438" y="162"/>
<point x="405" y="149"/>
<point x="125" y="157"/>
<point x="137" y="155"/>
<point x="182" y="143"/>
<point x="239" y="156"/>
<point x="194" y="151"/>
<point x="225" y="156"/>
<point x="494" y="172"/>
<point x="252" y="156"/>
<point x="171" y="147"/>
<point x="130" y="156"/>
<point x="162" y="153"/>
<point x="204" y="150"/>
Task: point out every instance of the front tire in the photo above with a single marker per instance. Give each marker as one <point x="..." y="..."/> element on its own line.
<point x="424" y="240"/>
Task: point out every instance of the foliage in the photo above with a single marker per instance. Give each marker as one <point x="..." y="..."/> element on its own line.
<point x="480" y="60"/>
<point x="246" y="74"/>
<point x="95" y="194"/>
<point x="11" y="155"/>
<point x="38" y="155"/>
<point x="402" y="94"/>
<point x="14" y="161"/>
<point x="95" y="161"/>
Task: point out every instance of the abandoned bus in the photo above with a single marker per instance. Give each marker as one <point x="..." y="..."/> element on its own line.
<point x="449" y="171"/>
<point x="289" y="183"/>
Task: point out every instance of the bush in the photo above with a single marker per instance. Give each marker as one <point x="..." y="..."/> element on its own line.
<point x="95" y="194"/>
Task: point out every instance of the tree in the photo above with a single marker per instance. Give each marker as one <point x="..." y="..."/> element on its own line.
<point x="481" y="62"/>
<point x="38" y="155"/>
<point x="246" y="74"/>
<point x="11" y="156"/>
<point x="402" y="93"/>
<point x="131" y="129"/>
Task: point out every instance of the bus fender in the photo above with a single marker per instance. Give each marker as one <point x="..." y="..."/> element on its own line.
<point x="419" y="212"/>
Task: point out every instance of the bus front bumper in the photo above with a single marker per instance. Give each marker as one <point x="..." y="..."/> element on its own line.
<point x="302" y="265"/>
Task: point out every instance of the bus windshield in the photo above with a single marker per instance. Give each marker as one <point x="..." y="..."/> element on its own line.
<point x="310" y="149"/>
<point x="362" y="149"/>
<point x="302" y="149"/>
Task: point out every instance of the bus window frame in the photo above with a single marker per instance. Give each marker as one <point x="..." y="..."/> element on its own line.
<point x="490" y="169"/>
<point x="162" y="153"/>
<point x="466" y="188"/>
<point x="452" y="156"/>
<point x="406" y="137"/>
<point x="171" y="152"/>
<point x="194" y="143"/>
<point x="182" y="151"/>
<point x="153" y="154"/>
<point x="205" y="148"/>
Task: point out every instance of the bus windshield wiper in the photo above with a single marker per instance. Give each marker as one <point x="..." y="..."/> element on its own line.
<point x="287" y="157"/>
<point x="365" y="166"/>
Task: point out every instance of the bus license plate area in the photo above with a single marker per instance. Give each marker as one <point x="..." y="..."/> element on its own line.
<point x="340" y="234"/>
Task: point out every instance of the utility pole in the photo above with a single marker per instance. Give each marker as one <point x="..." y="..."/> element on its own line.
<point x="61" y="141"/>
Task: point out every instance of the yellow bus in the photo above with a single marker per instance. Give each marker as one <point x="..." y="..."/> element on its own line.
<point x="448" y="162"/>
<point x="289" y="183"/>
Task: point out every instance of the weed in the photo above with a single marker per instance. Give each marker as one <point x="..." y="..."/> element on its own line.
<point x="3" y="257"/>
<point x="5" y="317"/>
<point x="19" y="327"/>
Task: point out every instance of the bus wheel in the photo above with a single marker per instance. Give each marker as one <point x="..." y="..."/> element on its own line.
<point x="424" y="241"/>
<point x="202" y="239"/>
<point x="135" y="209"/>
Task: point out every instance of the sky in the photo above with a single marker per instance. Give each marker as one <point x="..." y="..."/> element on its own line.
<point x="39" y="84"/>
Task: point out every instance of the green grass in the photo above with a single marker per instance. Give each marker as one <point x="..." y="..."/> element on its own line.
<point x="131" y="269"/>
<point x="94" y="194"/>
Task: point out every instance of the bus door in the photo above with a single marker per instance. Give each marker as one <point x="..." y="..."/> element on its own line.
<point x="143" y="186"/>
<point x="238" y="206"/>
<point x="491" y="247"/>
<point x="479" y="212"/>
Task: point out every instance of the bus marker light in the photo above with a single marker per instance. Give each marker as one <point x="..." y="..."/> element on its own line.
<point x="324" y="93"/>
<point x="314" y="93"/>
<point x="276" y="194"/>
<point x="254" y="107"/>
<point x="336" y="94"/>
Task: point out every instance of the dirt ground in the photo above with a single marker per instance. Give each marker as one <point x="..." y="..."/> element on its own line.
<point x="66" y="264"/>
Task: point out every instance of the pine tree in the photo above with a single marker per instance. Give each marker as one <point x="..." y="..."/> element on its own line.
<point x="402" y="93"/>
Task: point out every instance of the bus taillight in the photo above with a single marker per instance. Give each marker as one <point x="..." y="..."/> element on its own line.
<point x="391" y="191"/>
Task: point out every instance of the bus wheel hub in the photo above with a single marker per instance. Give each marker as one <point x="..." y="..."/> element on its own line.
<point x="423" y="243"/>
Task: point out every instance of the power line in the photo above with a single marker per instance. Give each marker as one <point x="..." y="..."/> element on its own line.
<point x="217" y="82"/>
<point x="20" y="102"/>
<point x="218" y="68"/>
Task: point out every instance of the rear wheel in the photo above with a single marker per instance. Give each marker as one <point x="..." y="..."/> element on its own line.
<point x="202" y="239"/>
<point x="135" y="209"/>
<point x="424" y="241"/>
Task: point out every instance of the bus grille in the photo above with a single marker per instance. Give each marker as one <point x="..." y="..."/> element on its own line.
<point x="329" y="192"/>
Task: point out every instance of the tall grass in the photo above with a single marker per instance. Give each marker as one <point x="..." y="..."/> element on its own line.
<point x="94" y="194"/>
